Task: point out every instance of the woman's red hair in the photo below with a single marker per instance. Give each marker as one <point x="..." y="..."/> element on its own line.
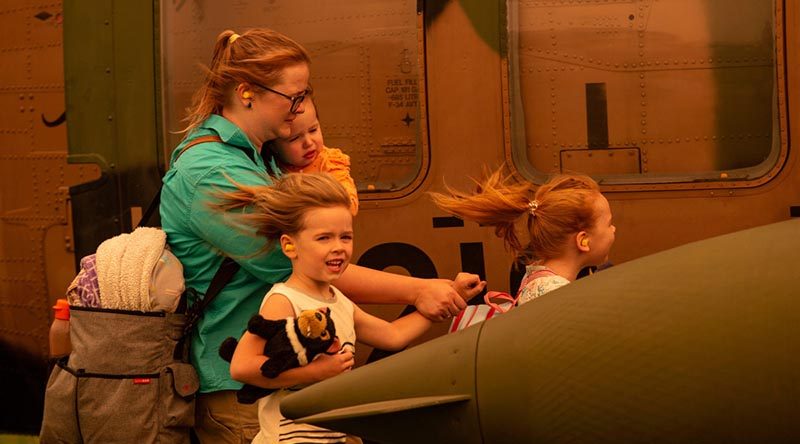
<point x="258" y="56"/>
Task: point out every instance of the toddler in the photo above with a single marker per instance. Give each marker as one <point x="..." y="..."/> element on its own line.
<point x="304" y="151"/>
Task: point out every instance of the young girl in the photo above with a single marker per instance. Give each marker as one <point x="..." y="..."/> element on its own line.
<point x="568" y="222"/>
<point x="308" y="215"/>
<point x="304" y="151"/>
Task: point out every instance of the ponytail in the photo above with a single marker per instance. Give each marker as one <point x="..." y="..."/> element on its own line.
<point x="497" y="202"/>
<point x="559" y="208"/>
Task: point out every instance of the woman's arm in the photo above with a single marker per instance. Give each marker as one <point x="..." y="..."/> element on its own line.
<point x="436" y="299"/>
<point x="393" y="336"/>
<point x="249" y="356"/>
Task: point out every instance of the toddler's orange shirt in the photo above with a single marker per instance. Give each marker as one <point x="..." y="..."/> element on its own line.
<point x="336" y="163"/>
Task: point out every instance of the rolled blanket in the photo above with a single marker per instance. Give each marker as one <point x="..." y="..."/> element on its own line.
<point x="124" y="268"/>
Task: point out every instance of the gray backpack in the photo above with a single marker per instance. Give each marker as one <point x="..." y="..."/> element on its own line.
<point x="122" y="382"/>
<point x="128" y="377"/>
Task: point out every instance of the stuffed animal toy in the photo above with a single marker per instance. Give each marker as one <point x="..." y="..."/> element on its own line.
<point x="291" y="342"/>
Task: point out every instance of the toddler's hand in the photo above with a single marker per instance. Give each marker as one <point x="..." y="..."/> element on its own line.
<point x="328" y="366"/>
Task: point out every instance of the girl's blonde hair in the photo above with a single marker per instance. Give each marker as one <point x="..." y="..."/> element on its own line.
<point x="258" y="56"/>
<point x="563" y="206"/>
<point x="280" y="208"/>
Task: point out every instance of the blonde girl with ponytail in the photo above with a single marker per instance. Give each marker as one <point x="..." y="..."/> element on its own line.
<point x="567" y="224"/>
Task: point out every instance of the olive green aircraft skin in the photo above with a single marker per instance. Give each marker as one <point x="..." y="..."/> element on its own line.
<point x="695" y="344"/>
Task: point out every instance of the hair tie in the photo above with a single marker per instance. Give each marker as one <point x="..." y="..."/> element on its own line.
<point x="532" y="206"/>
<point x="233" y="38"/>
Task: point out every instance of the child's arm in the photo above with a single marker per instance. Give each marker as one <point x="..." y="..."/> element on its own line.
<point x="392" y="336"/>
<point x="249" y="356"/>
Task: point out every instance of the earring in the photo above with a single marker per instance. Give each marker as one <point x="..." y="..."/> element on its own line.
<point x="584" y="242"/>
<point x="288" y="247"/>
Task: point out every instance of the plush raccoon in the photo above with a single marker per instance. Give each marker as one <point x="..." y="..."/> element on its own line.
<point x="291" y="342"/>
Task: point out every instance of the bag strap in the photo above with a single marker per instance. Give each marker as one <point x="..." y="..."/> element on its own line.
<point x="150" y="209"/>
<point x="224" y="274"/>
<point x="197" y="141"/>
<point x="157" y="199"/>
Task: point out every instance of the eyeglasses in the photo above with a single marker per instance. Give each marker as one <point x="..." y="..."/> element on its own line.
<point x="296" y="100"/>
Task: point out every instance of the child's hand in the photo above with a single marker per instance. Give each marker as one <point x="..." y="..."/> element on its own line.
<point x="328" y="366"/>
<point x="468" y="285"/>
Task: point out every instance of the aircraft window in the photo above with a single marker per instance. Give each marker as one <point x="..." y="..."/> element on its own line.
<point x="646" y="92"/>
<point x="364" y="72"/>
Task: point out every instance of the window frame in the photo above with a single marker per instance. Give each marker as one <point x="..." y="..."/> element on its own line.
<point x="515" y="150"/>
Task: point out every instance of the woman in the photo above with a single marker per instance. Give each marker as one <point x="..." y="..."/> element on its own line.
<point x="254" y="88"/>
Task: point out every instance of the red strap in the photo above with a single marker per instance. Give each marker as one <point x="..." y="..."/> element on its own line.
<point x="494" y="307"/>
<point x="499" y="295"/>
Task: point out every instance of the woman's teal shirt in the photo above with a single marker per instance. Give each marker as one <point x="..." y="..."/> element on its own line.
<point x="199" y="236"/>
